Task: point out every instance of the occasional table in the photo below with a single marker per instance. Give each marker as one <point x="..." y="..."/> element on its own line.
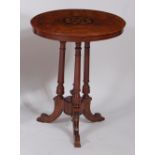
<point x="75" y="25"/>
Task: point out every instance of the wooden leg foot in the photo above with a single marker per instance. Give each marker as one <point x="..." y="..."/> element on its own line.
<point x="43" y="118"/>
<point x="88" y="114"/>
<point x="76" y="130"/>
<point x="77" y="141"/>
<point x="56" y="113"/>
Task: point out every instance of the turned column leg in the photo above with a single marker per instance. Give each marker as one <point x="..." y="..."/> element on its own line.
<point x="86" y="88"/>
<point x="76" y="99"/>
<point x="86" y="100"/>
<point x="58" y="109"/>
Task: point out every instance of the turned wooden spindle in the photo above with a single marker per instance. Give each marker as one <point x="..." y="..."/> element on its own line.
<point x="60" y="87"/>
<point x="86" y="88"/>
<point x="76" y="99"/>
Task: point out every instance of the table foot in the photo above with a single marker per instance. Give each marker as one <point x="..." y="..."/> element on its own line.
<point x="76" y="130"/>
<point x="77" y="141"/>
<point x="87" y="112"/>
<point x="58" y="109"/>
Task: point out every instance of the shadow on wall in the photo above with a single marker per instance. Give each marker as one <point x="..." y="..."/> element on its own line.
<point x="39" y="66"/>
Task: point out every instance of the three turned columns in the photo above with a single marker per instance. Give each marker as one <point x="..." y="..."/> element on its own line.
<point x="73" y="105"/>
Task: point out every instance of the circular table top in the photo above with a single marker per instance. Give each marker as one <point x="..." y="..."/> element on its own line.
<point x="77" y="25"/>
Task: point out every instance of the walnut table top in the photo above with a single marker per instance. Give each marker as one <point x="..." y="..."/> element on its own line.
<point x="77" y="25"/>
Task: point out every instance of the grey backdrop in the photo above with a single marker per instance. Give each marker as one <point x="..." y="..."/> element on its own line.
<point x="112" y="85"/>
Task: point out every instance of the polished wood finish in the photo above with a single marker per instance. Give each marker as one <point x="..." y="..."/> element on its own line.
<point x="76" y="99"/>
<point x="77" y="25"/>
<point x="86" y="88"/>
<point x="60" y="89"/>
<point x="86" y="99"/>
<point x="73" y="105"/>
